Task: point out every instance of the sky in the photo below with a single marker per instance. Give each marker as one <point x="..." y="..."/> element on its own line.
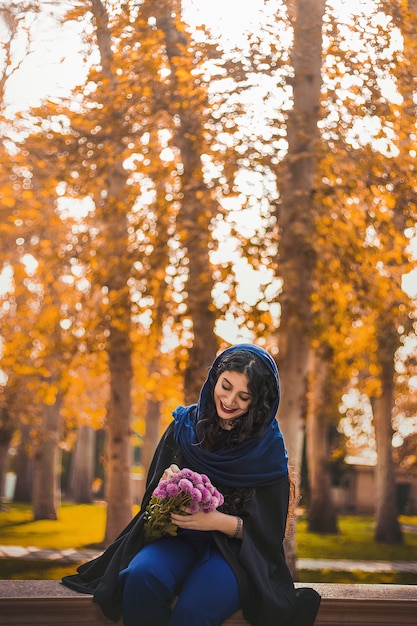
<point x="55" y="65"/>
<point x="52" y="67"/>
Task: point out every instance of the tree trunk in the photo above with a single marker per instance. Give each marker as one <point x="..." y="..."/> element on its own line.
<point x="296" y="222"/>
<point x="197" y="206"/>
<point x="4" y="448"/>
<point x="46" y="475"/>
<point x="387" y="528"/>
<point x="322" y="517"/>
<point x="82" y="466"/>
<point x="118" y="433"/>
<point x="23" y="464"/>
<point x="293" y="375"/>
<point x="158" y="289"/>
<point x="6" y="434"/>
<point x="151" y="438"/>
<point x="114" y="274"/>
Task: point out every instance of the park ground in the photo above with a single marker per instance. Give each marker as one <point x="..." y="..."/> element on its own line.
<point x="49" y="549"/>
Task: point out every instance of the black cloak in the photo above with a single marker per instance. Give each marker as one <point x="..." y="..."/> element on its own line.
<point x="267" y="593"/>
<point x="266" y="587"/>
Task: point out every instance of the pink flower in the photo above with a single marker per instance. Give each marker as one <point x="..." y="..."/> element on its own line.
<point x="205" y="495"/>
<point x="196" y="495"/>
<point x="184" y="490"/>
<point x="187" y="473"/>
<point x="186" y="485"/>
<point x="172" y="489"/>
<point x="161" y="490"/>
<point x="212" y="505"/>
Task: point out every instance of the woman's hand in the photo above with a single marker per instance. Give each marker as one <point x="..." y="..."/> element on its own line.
<point x="170" y="471"/>
<point x="196" y="521"/>
<point x="215" y="520"/>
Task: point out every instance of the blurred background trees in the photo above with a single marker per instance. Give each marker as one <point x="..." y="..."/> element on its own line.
<point x="196" y="187"/>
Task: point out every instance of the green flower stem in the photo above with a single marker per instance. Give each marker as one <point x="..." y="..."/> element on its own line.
<point x="158" y="515"/>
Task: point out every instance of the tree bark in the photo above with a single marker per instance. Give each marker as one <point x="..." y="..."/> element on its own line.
<point x="46" y="476"/>
<point x="387" y="527"/>
<point x="114" y="274"/>
<point x="296" y="218"/>
<point x="118" y="433"/>
<point x="322" y="517"/>
<point x="6" y="434"/>
<point x="23" y="463"/>
<point x="158" y="289"/>
<point x="82" y="466"/>
<point x="197" y="207"/>
<point x="152" y="434"/>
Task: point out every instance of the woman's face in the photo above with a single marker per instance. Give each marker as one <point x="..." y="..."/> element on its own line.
<point x="231" y="395"/>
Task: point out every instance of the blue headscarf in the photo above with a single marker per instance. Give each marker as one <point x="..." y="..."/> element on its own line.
<point x="257" y="461"/>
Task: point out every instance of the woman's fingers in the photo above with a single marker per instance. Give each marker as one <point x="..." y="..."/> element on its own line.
<point x="172" y="469"/>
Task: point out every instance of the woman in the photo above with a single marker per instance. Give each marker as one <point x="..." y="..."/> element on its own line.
<point x="231" y="557"/>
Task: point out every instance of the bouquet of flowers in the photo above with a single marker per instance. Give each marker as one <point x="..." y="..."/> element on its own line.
<point x="182" y="489"/>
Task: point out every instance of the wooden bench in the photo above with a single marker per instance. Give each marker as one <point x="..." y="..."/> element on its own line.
<point x="49" y="603"/>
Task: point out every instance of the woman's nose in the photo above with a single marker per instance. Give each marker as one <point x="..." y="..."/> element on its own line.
<point x="231" y="399"/>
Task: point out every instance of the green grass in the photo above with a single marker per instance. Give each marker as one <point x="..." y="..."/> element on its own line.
<point x="354" y="541"/>
<point x="83" y="526"/>
<point x="77" y="526"/>
<point x="363" y="578"/>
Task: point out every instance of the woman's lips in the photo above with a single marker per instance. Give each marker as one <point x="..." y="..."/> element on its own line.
<point x="225" y="409"/>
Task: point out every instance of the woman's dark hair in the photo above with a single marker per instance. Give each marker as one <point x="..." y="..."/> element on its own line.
<point x="263" y="389"/>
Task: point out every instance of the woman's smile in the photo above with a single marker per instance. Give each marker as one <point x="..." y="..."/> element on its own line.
<point x="226" y="409"/>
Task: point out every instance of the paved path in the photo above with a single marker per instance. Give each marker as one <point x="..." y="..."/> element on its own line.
<point x="70" y="555"/>
<point x="358" y="566"/>
<point x="79" y="556"/>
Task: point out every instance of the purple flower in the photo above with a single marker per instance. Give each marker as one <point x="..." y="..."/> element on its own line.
<point x="213" y="504"/>
<point x="196" y="495"/>
<point x="172" y="489"/>
<point x="187" y="473"/>
<point x="205" y="495"/>
<point x="186" y="485"/>
<point x="161" y="490"/>
<point x="184" y="489"/>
